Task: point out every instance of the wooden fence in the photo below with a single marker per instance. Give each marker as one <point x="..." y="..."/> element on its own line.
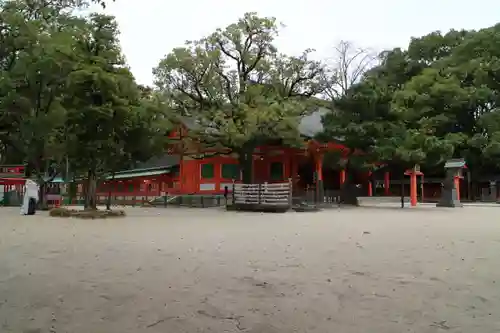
<point x="263" y="197"/>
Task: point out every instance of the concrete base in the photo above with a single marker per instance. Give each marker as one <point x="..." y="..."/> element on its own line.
<point x="449" y="199"/>
<point x="453" y="204"/>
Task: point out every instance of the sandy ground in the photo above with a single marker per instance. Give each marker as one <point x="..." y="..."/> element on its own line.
<point x="174" y="270"/>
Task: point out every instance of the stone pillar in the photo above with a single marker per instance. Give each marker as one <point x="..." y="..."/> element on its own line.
<point x="493" y="191"/>
<point x="449" y="195"/>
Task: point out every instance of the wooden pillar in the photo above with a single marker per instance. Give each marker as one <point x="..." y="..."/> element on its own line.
<point x="319" y="167"/>
<point x="293" y="170"/>
<point x="319" y="177"/>
<point x="456" y="180"/>
<point x="342" y="177"/>
<point x="370" y="185"/>
<point x="181" y="181"/>
<point x="387" y="183"/>
<point x="413" y="188"/>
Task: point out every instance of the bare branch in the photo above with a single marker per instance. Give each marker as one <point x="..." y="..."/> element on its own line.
<point x="347" y="67"/>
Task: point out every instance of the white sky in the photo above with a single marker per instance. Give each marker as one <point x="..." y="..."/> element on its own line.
<point x="151" y="28"/>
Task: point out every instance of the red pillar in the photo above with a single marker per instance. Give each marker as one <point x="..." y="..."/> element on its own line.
<point x="319" y="180"/>
<point x="319" y="167"/>
<point x="387" y="183"/>
<point x="457" y="185"/>
<point x="370" y="185"/>
<point x="294" y="170"/>
<point x="342" y="177"/>
<point x="413" y="189"/>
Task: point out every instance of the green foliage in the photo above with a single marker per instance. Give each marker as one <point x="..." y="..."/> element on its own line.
<point x="67" y="95"/>
<point x="435" y="101"/>
<point x="35" y="54"/>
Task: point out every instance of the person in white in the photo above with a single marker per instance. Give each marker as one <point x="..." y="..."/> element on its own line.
<point x="30" y="197"/>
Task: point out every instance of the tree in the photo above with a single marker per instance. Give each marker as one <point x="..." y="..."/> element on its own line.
<point x="375" y="119"/>
<point x="457" y="92"/>
<point x="36" y="56"/>
<point x="238" y="89"/>
<point x="359" y="117"/>
<point x="102" y="94"/>
<point x="143" y="136"/>
<point x="347" y="67"/>
<point x="422" y="106"/>
<point x="487" y="140"/>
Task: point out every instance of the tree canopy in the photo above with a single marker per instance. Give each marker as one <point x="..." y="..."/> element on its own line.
<point x="67" y="96"/>
<point x="424" y="104"/>
<point x="435" y="100"/>
<point x="236" y="86"/>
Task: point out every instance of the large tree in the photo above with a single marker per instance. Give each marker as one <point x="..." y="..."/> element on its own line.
<point x="103" y="104"/>
<point x="457" y="93"/>
<point x="376" y="119"/>
<point x="238" y="89"/>
<point x="36" y="57"/>
<point x="424" y="105"/>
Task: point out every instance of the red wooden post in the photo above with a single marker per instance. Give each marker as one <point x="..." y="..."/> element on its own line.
<point x="342" y="177"/>
<point x="370" y="185"/>
<point x="319" y="167"/>
<point x="413" y="188"/>
<point x="457" y="186"/>
<point x="387" y="183"/>
<point x="320" y="193"/>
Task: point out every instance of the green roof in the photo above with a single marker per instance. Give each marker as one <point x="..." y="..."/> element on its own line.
<point x="455" y="163"/>
<point x="56" y="180"/>
<point x="134" y="173"/>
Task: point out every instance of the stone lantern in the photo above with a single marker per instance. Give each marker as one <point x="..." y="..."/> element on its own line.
<point x="450" y="196"/>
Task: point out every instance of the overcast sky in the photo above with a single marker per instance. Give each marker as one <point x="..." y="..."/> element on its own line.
<point x="151" y="28"/>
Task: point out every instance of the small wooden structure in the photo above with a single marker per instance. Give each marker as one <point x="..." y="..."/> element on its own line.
<point x="11" y="184"/>
<point x="266" y="197"/>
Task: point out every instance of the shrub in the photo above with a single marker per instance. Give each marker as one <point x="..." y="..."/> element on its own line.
<point x="86" y="213"/>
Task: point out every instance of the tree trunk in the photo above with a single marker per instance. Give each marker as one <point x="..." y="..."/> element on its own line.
<point x="108" y="199"/>
<point x="84" y="192"/>
<point x="72" y="191"/>
<point x="349" y="191"/>
<point x="91" y="193"/>
<point x="42" y="198"/>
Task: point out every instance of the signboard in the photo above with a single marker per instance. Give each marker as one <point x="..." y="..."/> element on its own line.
<point x="11" y="171"/>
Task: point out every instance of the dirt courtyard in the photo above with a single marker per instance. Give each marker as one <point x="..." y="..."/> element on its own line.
<point x="175" y="270"/>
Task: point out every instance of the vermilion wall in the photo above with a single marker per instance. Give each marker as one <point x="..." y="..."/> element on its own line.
<point x="191" y="180"/>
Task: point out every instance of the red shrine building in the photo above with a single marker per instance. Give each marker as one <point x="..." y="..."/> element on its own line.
<point x="188" y="171"/>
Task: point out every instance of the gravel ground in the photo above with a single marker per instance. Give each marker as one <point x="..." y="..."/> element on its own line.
<point x="175" y="270"/>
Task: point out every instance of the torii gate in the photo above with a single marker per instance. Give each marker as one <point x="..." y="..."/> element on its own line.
<point x="414" y="173"/>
